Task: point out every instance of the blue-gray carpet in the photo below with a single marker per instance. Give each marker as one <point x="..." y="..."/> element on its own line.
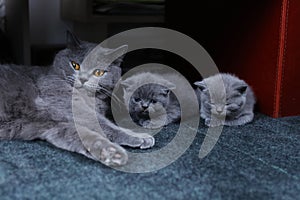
<point x="260" y="160"/>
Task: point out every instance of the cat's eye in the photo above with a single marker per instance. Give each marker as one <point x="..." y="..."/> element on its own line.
<point x="153" y="101"/>
<point x="137" y="99"/>
<point x="75" y="65"/>
<point x="99" y="72"/>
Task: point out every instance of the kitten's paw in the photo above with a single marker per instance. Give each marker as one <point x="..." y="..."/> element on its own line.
<point x="213" y="123"/>
<point x="151" y="125"/>
<point x="111" y="155"/>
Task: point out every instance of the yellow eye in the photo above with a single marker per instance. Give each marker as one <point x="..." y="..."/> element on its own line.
<point x="75" y="65"/>
<point x="99" y="72"/>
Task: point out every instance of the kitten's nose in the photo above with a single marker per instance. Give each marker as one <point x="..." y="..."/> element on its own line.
<point x="219" y="110"/>
<point x="145" y="106"/>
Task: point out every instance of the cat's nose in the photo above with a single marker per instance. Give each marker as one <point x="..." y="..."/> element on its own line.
<point x="219" y="110"/>
<point x="83" y="80"/>
<point x="145" y="106"/>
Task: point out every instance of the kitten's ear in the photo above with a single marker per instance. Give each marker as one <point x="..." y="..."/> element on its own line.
<point x="201" y="85"/>
<point x="72" y="41"/>
<point x="242" y="89"/>
<point x="126" y="84"/>
<point x="170" y="86"/>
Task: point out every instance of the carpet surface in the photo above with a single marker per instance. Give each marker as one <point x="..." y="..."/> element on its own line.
<point x="260" y="160"/>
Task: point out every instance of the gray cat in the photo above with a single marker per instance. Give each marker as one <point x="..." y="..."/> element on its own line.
<point x="151" y="105"/>
<point x="36" y="103"/>
<point x="225" y="100"/>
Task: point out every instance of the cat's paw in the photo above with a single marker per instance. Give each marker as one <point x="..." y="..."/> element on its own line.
<point x="111" y="154"/>
<point x="151" y="125"/>
<point x="148" y="141"/>
<point x="213" y="123"/>
<point x="139" y="140"/>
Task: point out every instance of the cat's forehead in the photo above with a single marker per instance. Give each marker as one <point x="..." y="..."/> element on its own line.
<point x="149" y="90"/>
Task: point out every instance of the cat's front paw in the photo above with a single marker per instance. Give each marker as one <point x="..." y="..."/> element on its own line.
<point x="213" y="122"/>
<point x="151" y="124"/>
<point x="111" y="154"/>
<point x="148" y="141"/>
<point x="139" y="140"/>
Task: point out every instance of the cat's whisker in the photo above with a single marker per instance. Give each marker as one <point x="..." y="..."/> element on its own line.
<point x="111" y="95"/>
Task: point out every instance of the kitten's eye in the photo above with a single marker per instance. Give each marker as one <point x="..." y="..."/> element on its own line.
<point x="99" y="72"/>
<point x="137" y="99"/>
<point x="153" y="101"/>
<point x="75" y="65"/>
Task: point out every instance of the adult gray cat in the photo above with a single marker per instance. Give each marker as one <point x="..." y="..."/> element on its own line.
<point x="150" y="101"/>
<point x="36" y="103"/>
<point x="224" y="96"/>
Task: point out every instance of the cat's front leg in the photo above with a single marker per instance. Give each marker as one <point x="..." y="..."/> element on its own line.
<point x="214" y="122"/>
<point x="129" y="138"/>
<point x="125" y="136"/>
<point x="86" y="142"/>
<point x="240" y="120"/>
<point x="153" y="124"/>
<point x="157" y="120"/>
<point x="101" y="149"/>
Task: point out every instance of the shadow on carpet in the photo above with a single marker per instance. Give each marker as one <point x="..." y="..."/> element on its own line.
<point x="260" y="160"/>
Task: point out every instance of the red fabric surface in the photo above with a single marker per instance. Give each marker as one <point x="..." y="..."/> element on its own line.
<point x="265" y="52"/>
<point x="259" y="41"/>
<point x="290" y="93"/>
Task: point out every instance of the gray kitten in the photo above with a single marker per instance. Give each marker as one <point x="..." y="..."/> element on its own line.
<point x="151" y="105"/>
<point x="224" y="96"/>
<point x="36" y="103"/>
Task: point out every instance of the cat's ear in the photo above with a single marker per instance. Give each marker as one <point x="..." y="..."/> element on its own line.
<point x="170" y="86"/>
<point x="242" y="89"/>
<point x="126" y="84"/>
<point x="118" y="52"/>
<point x="72" y="41"/>
<point x="201" y="85"/>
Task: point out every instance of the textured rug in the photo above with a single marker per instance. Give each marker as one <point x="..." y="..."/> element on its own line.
<point x="260" y="160"/>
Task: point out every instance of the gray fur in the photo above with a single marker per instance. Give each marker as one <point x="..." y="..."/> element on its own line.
<point x="36" y="103"/>
<point x="151" y="105"/>
<point x="235" y="103"/>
